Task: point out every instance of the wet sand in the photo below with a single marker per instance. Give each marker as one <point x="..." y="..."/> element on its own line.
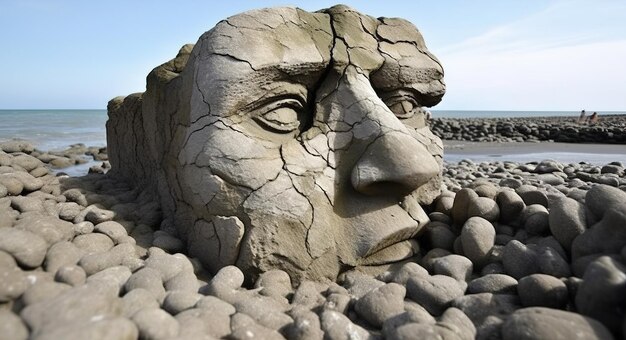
<point x="529" y="151"/>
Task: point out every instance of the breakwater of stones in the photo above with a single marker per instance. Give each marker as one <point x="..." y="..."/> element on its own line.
<point x="513" y="251"/>
<point x="610" y="129"/>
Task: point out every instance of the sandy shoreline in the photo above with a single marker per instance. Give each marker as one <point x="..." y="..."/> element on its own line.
<point x="473" y="148"/>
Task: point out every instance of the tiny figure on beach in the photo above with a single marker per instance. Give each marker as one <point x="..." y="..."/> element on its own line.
<point x="593" y="119"/>
<point x="582" y="117"/>
<point x="429" y="115"/>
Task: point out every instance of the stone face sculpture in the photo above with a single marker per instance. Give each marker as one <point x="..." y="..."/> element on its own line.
<point x="290" y="140"/>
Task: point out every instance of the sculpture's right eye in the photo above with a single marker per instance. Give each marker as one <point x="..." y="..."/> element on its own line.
<point x="281" y="116"/>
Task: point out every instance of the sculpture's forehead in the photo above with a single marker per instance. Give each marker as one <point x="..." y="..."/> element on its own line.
<point x="289" y="37"/>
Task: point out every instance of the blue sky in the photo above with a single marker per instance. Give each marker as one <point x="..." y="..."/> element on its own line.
<point x="497" y="55"/>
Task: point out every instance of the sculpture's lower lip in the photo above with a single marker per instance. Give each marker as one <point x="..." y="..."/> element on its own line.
<point x="394" y="253"/>
<point x="400" y="235"/>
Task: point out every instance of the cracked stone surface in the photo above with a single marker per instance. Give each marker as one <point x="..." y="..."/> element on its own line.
<point x="289" y="140"/>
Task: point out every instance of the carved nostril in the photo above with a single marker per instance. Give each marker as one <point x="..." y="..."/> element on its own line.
<point x="395" y="164"/>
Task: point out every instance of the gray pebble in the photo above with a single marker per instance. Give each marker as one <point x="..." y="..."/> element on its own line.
<point x="381" y="303"/>
<point x="50" y="228"/>
<point x="602" y="293"/>
<point x="112" y="229"/>
<point x="148" y="279"/>
<point x="82" y="228"/>
<point x="13" y="185"/>
<point x="410" y="316"/>
<point x="477" y="238"/>
<point x="97" y="328"/>
<point x="542" y="291"/>
<point x="439" y="235"/>
<point x="519" y="260"/>
<point x="483" y="207"/>
<point x="275" y="283"/>
<point x="43" y="290"/>
<point x="177" y="301"/>
<point x="12" y="279"/>
<point x="93" y="243"/>
<point x="167" y="242"/>
<point x="407" y="271"/>
<point x="440" y="217"/>
<point x="608" y="236"/>
<point x="338" y="302"/>
<point x="264" y="310"/>
<point x="61" y="254"/>
<point x="244" y="327"/>
<point x="545" y="323"/>
<point x="68" y="210"/>
<point x="435" y="293"/>
<point x="155" y="324"/>
<point x="201" y="324"/>
<point x="484" y="307"/>
<point x="511" y="205"/>
<point x="427" y="261"/>
<point x="76" y="305"/>
<point x="71" y="275"/>
<point x="167" y="265"/>
<point x="74" y="195"/>
<point x="461" y="204"/>
<point x="136" y="300"/>
<point x="358" y="284"/>
<point x="531" y="195"/>
<point x="535" y="219"/>
<point x="493" y="283"/>
<point x="306" y="325"/>
<point x="93" y="263"/>
<point x="567" y="219"/>
<point x="601" y="198"/>
<point x="11" y="326"/>
<point x="25" y="204"/>
<point x="444" y="205"/>
<point x="492" y="268"/>
<point x="114" y="277"/>
<point x="97" y="215"/>
<point x="27" y="162"/>
<point x="338" y="326"/>
<point x="456" y="266"/>
<point x="28" y="249"/>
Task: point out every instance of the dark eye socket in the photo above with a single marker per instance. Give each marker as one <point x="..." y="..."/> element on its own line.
<point x="402" y="103"/>
<point x="282" y="115"/>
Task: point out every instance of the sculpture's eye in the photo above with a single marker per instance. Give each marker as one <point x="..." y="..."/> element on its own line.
<point x="281" y="116"/>
<point x="401" y="103"/>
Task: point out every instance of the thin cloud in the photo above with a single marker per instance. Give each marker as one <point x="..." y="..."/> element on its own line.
<point x="563" y="23"/>
<point x="559" y="58"/>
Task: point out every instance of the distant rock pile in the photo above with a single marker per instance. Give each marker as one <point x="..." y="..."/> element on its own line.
<point x="609" y="130"/>
<point x="73" y="155"/>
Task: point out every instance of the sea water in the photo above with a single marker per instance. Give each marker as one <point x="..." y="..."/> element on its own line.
<point x="54" y="129"/>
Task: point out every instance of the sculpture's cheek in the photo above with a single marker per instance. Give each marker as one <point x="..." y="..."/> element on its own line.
<point x="234" y="155"/>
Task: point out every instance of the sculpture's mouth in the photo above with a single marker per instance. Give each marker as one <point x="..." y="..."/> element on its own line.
<point x="397" y="246"/>
<point x="394" y="253"/>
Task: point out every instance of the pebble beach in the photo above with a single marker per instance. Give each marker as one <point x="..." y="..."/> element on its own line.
<point x="532" y="249"/>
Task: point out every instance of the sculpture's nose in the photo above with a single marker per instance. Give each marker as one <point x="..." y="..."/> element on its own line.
<point x="394" y="164"/>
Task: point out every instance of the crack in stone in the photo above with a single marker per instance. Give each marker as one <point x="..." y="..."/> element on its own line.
<point x="226" y="55"/>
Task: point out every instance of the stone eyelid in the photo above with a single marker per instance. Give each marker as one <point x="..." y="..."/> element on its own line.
<point x="401" y="102"/>
<point x="280" y="115"/>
